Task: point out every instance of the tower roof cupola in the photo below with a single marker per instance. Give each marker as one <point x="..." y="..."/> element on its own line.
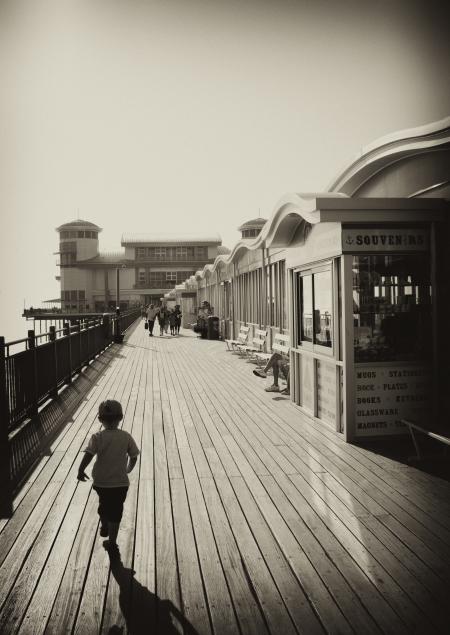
<point x="252" y="228"/>
<point x="78" y="225"/>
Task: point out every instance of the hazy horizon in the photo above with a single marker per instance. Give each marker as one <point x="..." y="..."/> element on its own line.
<point x="185" y="116"/>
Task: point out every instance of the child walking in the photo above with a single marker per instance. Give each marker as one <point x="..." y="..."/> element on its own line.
<point x="117" y="454"/>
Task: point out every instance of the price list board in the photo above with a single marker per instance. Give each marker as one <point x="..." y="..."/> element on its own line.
<point x="386" y="394"/>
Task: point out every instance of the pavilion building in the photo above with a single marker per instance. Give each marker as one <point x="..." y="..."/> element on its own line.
<point x="147" y="266"/>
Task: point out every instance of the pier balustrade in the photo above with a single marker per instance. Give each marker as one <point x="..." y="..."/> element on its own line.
<point x="32" y="376"/>
<point x="50" y="360"/>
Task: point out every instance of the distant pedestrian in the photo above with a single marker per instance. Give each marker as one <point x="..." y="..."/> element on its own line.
<point x="172" y="321"/>
<point x="177" y="312"/>
<point x="151" y="315"/>
<point x="162" y="319"/>
<point x="117" y="454"/>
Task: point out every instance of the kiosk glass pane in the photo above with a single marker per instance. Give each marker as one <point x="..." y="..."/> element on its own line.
<point x="323" y="308"/>
<point x="392" y="307"/>
<point x="306" y="303"/>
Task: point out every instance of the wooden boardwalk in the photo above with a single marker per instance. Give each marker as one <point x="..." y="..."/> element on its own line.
<point x="242" y="516"/>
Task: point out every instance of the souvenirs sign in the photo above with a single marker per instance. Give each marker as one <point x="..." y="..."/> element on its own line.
<point x="390" y="239"/>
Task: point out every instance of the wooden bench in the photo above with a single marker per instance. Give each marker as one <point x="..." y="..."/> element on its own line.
<point x="280" y="345"/>
<point x="437" y="433"/>
<point x="241" y="339"/>
<point x="258" y="343"/>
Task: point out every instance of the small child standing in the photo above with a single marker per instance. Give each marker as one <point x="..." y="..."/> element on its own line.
<point x="117" y="454"/>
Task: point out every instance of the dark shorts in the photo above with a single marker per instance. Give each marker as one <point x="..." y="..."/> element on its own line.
<point x="111" y="500"/>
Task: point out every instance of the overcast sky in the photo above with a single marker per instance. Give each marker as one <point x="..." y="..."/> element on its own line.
<point x="193" y="115"/>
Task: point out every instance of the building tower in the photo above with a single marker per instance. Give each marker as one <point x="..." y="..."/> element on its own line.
<point x="252" y="228"/>
<point x="78" y="241"/>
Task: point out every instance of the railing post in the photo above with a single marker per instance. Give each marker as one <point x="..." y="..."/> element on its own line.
<point x="118" y="338"/>
<point x="33" y="409"/>
<point x="6" y="506"/>
<point x="66" y="332"/>
<point x="52" y="338"/>
<point x="106" y="325"/>
<point x="88" y="348"/>
<point x="80" y="357"/>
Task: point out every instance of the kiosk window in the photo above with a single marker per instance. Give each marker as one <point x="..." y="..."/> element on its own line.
<point x="391" y="307"/>
<point x="316" y="324"/>
<point x="307" y="308"/>
<point x="322" y="307"/>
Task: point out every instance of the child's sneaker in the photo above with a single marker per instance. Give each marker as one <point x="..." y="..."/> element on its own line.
<point x="272" y="388"/>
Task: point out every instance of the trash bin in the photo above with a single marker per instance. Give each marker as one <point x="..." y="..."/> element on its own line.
<point x="213" y="327"/>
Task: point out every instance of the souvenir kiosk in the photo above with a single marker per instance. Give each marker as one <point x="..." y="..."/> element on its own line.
<point x="364" y="292"/>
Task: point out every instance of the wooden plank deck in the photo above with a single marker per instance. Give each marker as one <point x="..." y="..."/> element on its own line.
<point x="242" y="516"/>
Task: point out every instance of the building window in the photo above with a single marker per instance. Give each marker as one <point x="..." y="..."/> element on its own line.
<point x="160" y="252"/>
<point x="66" y="247"/>
<point x="81" y="294"/>
<point x="181" y="253"/>
<point x="171" y="275"/>
<point x="183" y="275"/>
<point x="67" y="259"/>
<point x="250" y="233"/>
<point x="142" y="277"/>
<point x="140" y="253"/>
<point x="201" y="253"/>
<point x="172" y="253"/>
<point x="315" y="295"/>
<point x="323" y="306"/>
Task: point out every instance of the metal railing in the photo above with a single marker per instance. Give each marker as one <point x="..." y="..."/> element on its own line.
<point x="47" y="361"/>
<point x="32" y="377"/>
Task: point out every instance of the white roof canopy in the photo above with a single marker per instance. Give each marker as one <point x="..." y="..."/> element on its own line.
<point x="171" y="239"/>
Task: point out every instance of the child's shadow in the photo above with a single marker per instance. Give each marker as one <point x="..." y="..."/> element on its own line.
<point x="144" y="612"/>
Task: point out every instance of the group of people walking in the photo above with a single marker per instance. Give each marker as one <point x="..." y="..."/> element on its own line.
<point x="167" y="318"/>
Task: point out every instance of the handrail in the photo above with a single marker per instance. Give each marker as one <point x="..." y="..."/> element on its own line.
<point x="50" y="360"/>
<point x="93" y="321"/>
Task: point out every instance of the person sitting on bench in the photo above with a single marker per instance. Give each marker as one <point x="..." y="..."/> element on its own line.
<point x="278" y="363"/>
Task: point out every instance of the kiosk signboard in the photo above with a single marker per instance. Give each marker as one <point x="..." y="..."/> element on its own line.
<point x="392" y="240"/>
<point x="386" y="394"/>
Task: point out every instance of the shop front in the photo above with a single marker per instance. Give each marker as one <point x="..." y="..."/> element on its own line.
<point x="364" y="325"/>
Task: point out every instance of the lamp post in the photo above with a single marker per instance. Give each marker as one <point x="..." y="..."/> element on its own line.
<point x="118" y="333"/>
